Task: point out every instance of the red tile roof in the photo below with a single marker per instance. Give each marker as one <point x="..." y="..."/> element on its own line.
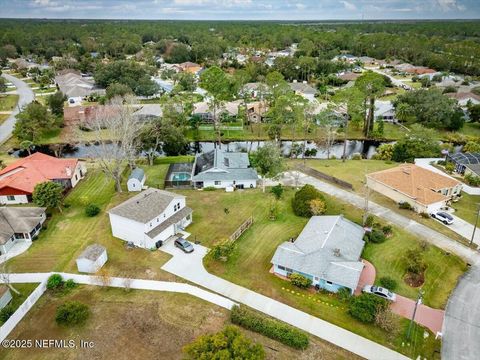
<point x="22" y="176"/>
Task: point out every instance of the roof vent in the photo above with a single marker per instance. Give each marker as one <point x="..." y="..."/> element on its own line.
<point x="325" y="232"/>
<point x="336" y="252"/>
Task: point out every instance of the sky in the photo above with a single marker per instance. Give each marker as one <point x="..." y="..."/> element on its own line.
<point x="242" y="9"/>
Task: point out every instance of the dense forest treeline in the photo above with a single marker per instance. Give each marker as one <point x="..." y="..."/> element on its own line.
<point x="443" y="45"/>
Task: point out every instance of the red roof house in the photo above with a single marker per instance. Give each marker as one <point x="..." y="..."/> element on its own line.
<point x="18" y="180"/>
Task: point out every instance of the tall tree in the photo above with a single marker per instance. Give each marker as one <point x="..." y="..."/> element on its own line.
<point x="48" y="194"/>
<point x="55" y="102"/>
<point x="371" y="85"/>
<point x="123" y="127"/>
<point x="268" y="161"/>
<point x="217" y="84"/>
<point x="33" y="122"/>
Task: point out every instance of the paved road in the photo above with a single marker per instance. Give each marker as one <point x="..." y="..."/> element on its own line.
<point x="26" y="96"/>
<point x="395" y="82"/>
<point x="190" y="267"/>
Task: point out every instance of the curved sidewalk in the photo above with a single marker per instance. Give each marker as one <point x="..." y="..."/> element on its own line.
<point x="190" y="267"/>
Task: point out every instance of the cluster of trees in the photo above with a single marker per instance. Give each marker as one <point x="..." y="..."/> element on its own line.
<point x="446" y="46"/>
<point x="429" y="108"/>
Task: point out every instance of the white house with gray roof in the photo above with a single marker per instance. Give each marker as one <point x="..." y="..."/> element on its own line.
<point x="149" y="218"/>
<point x="19" y="224"/>
<point x="221" y="169"/>
<point x="327" y="251"/>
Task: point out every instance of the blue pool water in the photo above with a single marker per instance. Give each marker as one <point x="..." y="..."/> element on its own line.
<point x="180" y="176"/>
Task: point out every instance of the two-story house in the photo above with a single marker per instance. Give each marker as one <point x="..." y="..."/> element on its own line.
<point x="149" y="218"/>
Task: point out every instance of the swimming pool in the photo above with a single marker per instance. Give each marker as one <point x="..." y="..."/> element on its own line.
<point x="180" y="176"/>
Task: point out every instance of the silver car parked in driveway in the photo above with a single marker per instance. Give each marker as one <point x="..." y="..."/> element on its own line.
<point x="444" y="217"/>
<point x="380" y="291"/>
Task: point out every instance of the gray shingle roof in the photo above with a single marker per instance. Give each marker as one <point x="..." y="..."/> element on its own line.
<point x="145" y="206"/>
<point x="137" y="173"/>
<point x="222" y="165"/>
<point x="92" y="252"/>
<point x="18" y="220"/>
<point x="170" y="221"/>
<point x="329" y="247"/>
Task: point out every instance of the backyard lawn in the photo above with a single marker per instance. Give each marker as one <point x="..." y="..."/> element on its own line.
<point x="25" y="290"/>
<point x="8" y="102"/>
<point x="145" y="324"/>
<point x="467" y="207"/>
<point x="69" y="232"/>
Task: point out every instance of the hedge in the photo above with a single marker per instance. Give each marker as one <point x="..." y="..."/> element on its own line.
<point x="271" y="328"/>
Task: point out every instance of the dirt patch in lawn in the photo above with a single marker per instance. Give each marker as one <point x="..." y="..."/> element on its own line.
<point x="414" y="280"/>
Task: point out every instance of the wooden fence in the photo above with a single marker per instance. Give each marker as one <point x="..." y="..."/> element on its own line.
<point x="241" y="229"/>
<point x="322" y="176"/>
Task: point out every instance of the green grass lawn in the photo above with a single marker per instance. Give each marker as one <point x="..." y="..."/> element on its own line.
<point x="8" y="102"/>
<point x="24" y="292"/>
<point x="45" y="91"/>
<point x="352" y="171"/>
<point x="250" y="262"/>
<point x="467" y="207"/>
<point x="68" y="233"/>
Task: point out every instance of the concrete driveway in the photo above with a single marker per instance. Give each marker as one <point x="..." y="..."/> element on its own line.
<point x="190" y="267"/>
<point x="463" y="228"/>
<point x="25" y="96"/>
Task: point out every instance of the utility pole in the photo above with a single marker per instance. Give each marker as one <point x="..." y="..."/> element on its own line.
<point x="418" y="302"/>
<point x="475" y="225"/>
<point x="367" y="195"/>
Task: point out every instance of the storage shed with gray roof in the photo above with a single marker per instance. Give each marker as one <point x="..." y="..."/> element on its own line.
<point x="327" y="251"/>
<point x="223" y="169"/>
<point x="136" y="180"/>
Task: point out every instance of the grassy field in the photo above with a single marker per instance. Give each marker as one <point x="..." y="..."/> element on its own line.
<point x="68" y="233"/>
<point x="8" y="102"/>
<point x="354" y="172"/>
<point x="25" y="291"/>
<point x="467" y="207"/>
<point x="144" y="325"/>
<point x="250" y="262"/>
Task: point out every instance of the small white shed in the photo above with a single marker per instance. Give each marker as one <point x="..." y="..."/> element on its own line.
<point x="5" y="296"/>
<point x="136" y="180"/>
<point x="92" y="259"/>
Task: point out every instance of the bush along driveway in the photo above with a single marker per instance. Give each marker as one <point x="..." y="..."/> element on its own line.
<point x="190" y="267"/>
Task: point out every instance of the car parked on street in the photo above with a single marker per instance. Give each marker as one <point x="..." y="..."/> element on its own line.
<point x="380" y="291"/>
<point x="184" y="245"/>
<point x="444" y="217"/>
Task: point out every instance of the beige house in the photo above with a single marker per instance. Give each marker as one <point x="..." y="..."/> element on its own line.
<point x="426" y="191"/>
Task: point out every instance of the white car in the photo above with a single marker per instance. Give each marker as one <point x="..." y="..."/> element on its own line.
<point x="444" y="217"/>
<point x="380" y="291"/>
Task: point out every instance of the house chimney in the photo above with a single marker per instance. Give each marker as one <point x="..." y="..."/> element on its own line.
<point x="68" y="171"/>
<point x="336" y="252"/>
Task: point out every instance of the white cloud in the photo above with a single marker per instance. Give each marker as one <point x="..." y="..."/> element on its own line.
<point x="348" y="5"/>
<point x="447" y="5"/>
<point x="300" y="6"/>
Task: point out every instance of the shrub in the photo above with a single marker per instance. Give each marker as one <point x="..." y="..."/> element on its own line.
<point x="414" y="261"/>
<point x="317" y="207"/>
<point x="209" y="188"/>
<point x="369" y="221"/>
<point x="92" y="210"/>
<point x="385" y="320"/>
<point x="449" y="167"/>
<point x="72" y="313"/>
<point x="302" y="198"/>
<point x="6" y="312"/>
<point x="357" y="156"/>
<point x="366" y="306"/>
<point x="387" y="230"/>
<point x="344" y="294"/>
<point x="269" y="327"/>
<point x="229" y="343"/>
<point x="300" y="281"/>
<point x="333" y="157"/>
<point x="277" y="191"/>
<point x="472" y="180"/>
<point x="388" y="283"/>
<point x="405" y="205"/>
<point x="222" y="251"/>
<point x="375" y="236"/>
<point x="70" y="284"/>
<point x="55" y="281"/>
<point x="424" y="215"/>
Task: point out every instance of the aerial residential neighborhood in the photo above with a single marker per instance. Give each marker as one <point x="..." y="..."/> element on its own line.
<point x="239" y="180"/>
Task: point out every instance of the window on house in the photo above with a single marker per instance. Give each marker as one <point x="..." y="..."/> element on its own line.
<point x="76" y="177"/>
<point x="175" y="208"/>
<point x="178" y="206"/>
<point x="10" y="197"/>
<point x="281" y="267"/>
<point x="158" y="220"/>
<point x="218" y="183"/>
<point x="329" y="283"/>
<point x="288" y="270"/>
<point x="164" y="215"/>
<point x="150" y="224"/>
